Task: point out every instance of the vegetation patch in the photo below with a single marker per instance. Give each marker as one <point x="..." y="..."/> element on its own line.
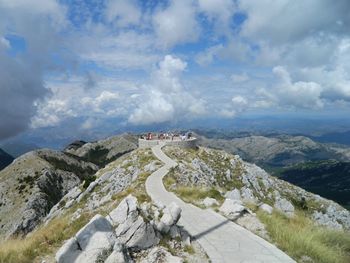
<point x="43" y="241"/>
<point x="299" y="236"/>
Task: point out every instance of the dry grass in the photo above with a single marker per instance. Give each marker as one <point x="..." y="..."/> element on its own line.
<point x="196" y="194"/>
<point x="298" y="236"/>
<point x="43" y="241"/>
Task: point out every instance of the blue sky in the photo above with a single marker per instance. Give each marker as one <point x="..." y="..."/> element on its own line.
<point x="140" y="63"/>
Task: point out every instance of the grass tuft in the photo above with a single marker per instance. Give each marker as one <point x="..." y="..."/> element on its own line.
<point x="299" y="237"/>
<point x="43" y="241"/>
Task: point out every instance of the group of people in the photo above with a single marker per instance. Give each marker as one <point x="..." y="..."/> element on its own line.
<point x="167" y="136"/>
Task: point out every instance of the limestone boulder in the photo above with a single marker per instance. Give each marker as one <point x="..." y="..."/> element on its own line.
<point x="171" y="214"/>
<point x="232" y="209"/>
<point x="235" y="194"/>
<point x="284" y="206"/>
<point x="266" y="208"/>
<point x="119" y="254"/>
<point x="137" y="234"/>
<point x="128" y="208"/>
<point x="208" y="202"/>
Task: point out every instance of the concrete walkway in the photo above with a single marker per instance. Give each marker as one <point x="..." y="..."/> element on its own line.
<point x="222" y="240"/>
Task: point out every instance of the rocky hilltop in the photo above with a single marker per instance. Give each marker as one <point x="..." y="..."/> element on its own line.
<point x="89" y="204"/>
<point x="5" y="159"/>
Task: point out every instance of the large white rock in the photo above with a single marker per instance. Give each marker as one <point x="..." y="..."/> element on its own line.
<point x="69" y="252"/>
<point x="284" y="206"/>
<point x="92" y="242"/>
<point x="233" y="195"/>
<point x="127" y="208"/>
<point x="119" y="254"/>
<point x="248" y="195"/>
<point x="136" y="235"/>
<point x="208" y="202"/>
<point x="159" y="254"/>
<point x="266" y="208"/>
<point x="171" y="214"/>
<point x="232" y="209"/>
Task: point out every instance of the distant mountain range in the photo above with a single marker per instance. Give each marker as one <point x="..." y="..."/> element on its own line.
<point x="318" y="167"/>
<point x="5" y="159"/>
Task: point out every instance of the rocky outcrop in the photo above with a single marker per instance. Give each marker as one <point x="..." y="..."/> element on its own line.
<point x="125" y="229"/>
<point x="33" y="184"/>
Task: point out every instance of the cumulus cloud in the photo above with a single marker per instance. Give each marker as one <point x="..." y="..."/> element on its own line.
<point x="21" y="75"/>
<point x="177" y="23"/>
<point x="298" y="94"/>
<point x="167" y="99"/>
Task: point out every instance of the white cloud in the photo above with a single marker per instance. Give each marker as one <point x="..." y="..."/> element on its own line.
<point x="219" y="12"/>
<point x="298" y="94"/>
<point x="167" y="99"/>
<point x="123" y="12"/>
<point x="177" y="23"/>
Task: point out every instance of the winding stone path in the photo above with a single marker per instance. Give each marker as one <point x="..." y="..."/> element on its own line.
<point x="222" y="240"/>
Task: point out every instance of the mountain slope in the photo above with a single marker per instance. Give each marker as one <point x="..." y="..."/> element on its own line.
<point x="330" y="179"/>
<point x="280" y="150"/>
<point x="103" y="151"/>
<point x="36" y="181"/>
<point x="5" y="159"/>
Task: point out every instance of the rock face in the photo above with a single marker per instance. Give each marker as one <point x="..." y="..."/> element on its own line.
<point x="92" y="243"/>
<point x="33" y="184"/>
<point x="103" y="151"/>
<point x="5" y="159"/>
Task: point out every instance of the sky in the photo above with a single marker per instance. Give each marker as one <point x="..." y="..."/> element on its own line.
<point x="93" y="64"/>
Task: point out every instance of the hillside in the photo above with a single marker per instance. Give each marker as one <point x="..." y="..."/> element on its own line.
<point x="103" y="151"/>
<point x="36" y="181"/>
<point x="330" y="179"/>
<point x="5" y="159"/>
<point x="279" y="150"/>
